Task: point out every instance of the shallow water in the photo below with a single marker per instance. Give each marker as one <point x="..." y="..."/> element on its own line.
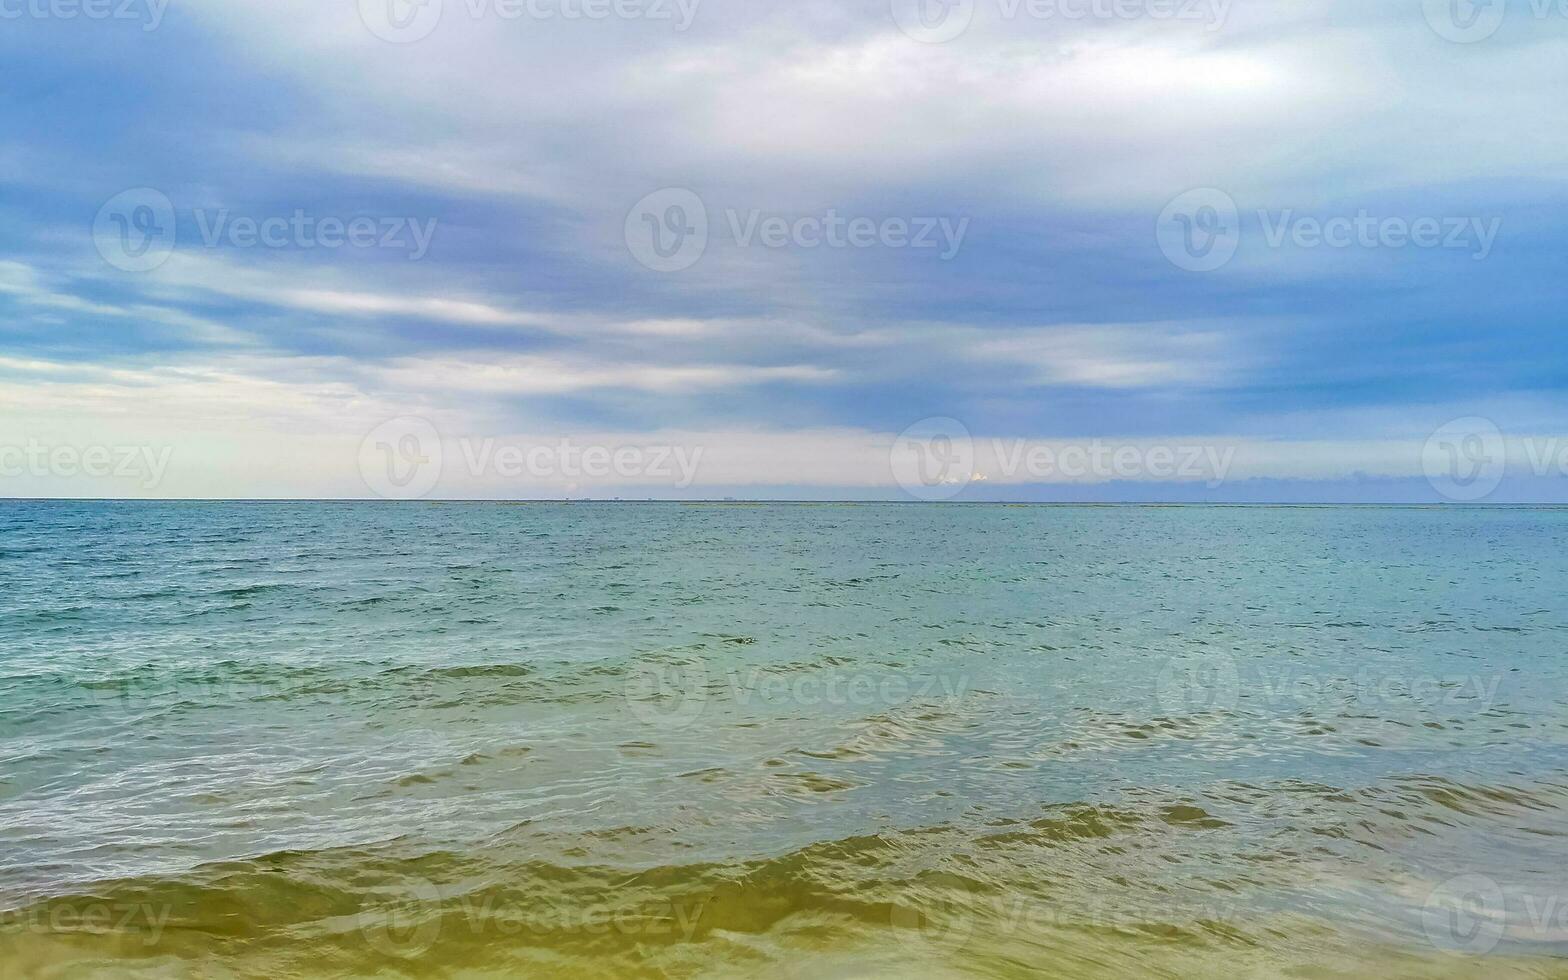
<point x="782" y="740"/>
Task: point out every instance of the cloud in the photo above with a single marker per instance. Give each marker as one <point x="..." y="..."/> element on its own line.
<point x="28" y="287"/>
<point x="1117" y="356"/>
<point x="186" y="274"/>
<point x="551" y="376"/>
<point x="1058" y="140"/>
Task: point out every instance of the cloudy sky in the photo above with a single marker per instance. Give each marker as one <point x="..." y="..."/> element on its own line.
<point x="974" y="249"/>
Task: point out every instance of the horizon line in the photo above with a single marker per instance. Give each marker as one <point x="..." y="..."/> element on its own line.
<point x="791" y="500"/>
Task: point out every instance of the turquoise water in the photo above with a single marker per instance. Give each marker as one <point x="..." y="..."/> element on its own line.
<point x="658" y="739"/>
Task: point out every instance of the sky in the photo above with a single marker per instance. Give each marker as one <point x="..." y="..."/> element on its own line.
<point x="1103" y="250"/>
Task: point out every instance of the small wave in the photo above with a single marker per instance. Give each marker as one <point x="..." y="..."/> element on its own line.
<point x="462" y="671"/>
<point x="249" y="591"/>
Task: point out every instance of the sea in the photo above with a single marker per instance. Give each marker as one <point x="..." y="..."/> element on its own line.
<point x="425" y="739"/>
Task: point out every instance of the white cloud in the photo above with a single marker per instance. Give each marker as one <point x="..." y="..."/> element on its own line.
<point x="309" y="287"/>
<point x="791" y="108"/>
<point x="802" y="103"/>
<point x="1116" y="356"/>
<point x="26" y="284"/>
<point x="539" y="375"/>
